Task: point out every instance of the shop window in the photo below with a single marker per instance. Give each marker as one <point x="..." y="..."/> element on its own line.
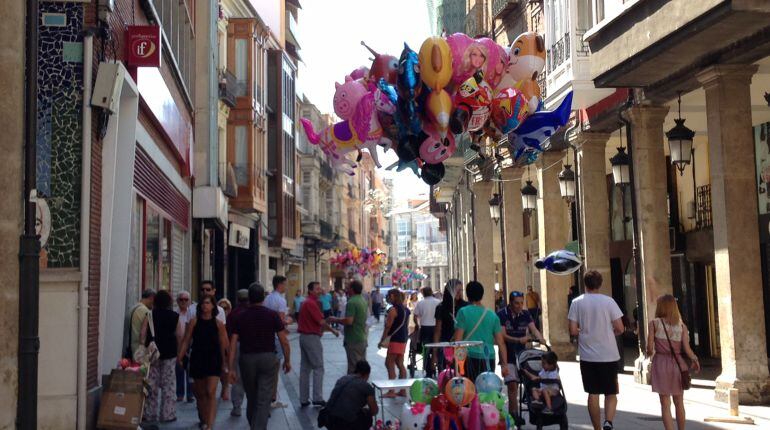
<point x="152" y="237"/>
<point x="241" y="156"/>
<point x="241" y="67"/>
<point x="163" y="263"/>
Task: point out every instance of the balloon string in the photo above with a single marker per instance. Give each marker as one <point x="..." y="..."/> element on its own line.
<point x="520" y="177"/>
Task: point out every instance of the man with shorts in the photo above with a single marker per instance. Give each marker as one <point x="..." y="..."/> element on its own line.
<point x="518" y="329"/>
<point x="596" y="319"/>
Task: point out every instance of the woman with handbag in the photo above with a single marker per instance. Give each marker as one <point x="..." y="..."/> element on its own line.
<point x="667" y="342"/>
<point x="207" y="358"/>
<point x="165" y="331"/>
<point x="394" y="337"/>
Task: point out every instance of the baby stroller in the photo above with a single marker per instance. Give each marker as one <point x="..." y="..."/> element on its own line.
<point x="529" y="360"/>
<point x="415" y="349"/>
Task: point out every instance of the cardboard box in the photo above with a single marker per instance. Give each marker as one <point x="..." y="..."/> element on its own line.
<point x="122" y="402"/>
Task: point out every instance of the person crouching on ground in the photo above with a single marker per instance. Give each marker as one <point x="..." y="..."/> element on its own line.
<point x="352" y="404"/>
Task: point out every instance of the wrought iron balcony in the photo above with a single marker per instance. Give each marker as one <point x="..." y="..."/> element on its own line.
<point x="327" y="232"/>
<point x="559" y="53"/>
<point x="541" y="83"/>
<point x="227" y="84"/>
<point x="500" y="7"/>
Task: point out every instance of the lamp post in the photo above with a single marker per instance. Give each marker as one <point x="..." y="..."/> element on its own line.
<point x="567" y="183"/>
<point x="528" y="197"/>
<point x="494" y="207"/>
<point x="621" y="168"/>
<point x="680" y="141"/>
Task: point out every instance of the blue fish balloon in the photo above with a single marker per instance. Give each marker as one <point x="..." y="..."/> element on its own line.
<point x="538" y="127"/>
<point x="409" y="85"/>
<point x="561" y="262"/>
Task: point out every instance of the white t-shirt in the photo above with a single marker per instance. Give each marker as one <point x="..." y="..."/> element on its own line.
<point x="548" y="374"/>
<point x="277" y="302"/>
<point x="425" y="311"/>
<point x="594" y="314"/>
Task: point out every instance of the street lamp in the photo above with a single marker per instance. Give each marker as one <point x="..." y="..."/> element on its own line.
<point x="494" y="207"/>
<point x="621" y="167"/>
<point x="567" y="183"/>
<point x="528" y="197"/>
<point x="680" y="141"/>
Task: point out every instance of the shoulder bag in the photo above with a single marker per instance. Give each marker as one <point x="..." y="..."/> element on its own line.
<point x="386" y="340"/>
<point x="148" y="354"/>
<point x="685" y="379"/>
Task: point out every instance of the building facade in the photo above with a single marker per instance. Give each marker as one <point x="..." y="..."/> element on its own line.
<point x="419" y="244"/>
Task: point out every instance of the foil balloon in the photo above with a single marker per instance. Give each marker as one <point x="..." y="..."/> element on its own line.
<point x="508" y="110"/>
<point x="538" y="127"/>
<point x="444" y="415"/>
<point x="408" y="88"/>
<point x="423" y="390"/>
<point x="461" y="67"/>
<point x="363" y="130"/>
<point x="347" y="96"/>
<point x="471" y="416"/>
<point x="435" y="149"/>
<point x="490" y="417"/>
<point x="488" y="382"/>
<point x="439" y="107"/>
<point x="471" y="105"/>
<point x="360" y="73"/>
<point x="496" y="63"/>
<point x="445" y="375"/>
<point x="383" y="67"/>
<point x="527" y="57"/>
<point x="432" y="174"/>
<point x="414" y="416"/>
<point x="435" y="63"/>
<point x="494" y="398"/>
<point x="560" y="262"/>
<point x="460" y="391"/>
<point x="460" y="355"/>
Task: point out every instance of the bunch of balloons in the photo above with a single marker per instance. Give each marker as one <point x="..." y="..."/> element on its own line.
<point x="359" y="261"/>
<point x="405" y="276"/>
<point x="455" y="89"/>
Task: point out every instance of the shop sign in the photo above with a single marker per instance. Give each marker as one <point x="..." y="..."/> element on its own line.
<point x="143" y="45"/>
<point x="238" y="236"/>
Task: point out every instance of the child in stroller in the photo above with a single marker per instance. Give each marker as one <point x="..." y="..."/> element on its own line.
<point x="540" y="380"/>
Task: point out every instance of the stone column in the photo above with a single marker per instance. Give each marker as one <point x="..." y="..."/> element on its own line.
<point x="515" y="261"/>
<point x="649" y="162"/>
<point x="483" y="225"/>
<point x="594" y="204"/>
<point x="736" y="245"/>
<point x="553" y="234"/>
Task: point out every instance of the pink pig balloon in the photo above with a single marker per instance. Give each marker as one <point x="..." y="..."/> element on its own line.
<point x="347" y="96"/>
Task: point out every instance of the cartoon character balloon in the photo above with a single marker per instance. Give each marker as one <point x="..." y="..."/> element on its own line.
<point x="471" y="105"/>
<point x="414" y="417"/>
<point x="526" y="62"/>
<point x="423" y="390"/>
<point x="538" y="127"/>
<point x="383" y="67"/>
<point x="460" y="391"/>
<point x="490" y="417"/>
<point x="488" y="382"/>
<point x="347" y="96"/>
<point x="560" y="262"/>
<point x="508" y="110"/>
<point x="435" y="149"/>
<point x="436" y="63"/>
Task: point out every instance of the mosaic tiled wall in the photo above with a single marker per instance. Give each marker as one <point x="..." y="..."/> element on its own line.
<point x="60" y="92"/>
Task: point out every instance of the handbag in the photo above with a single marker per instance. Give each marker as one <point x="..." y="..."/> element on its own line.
<point x="685" y="379"/>
<point x="148" y="354"/>
<point x="386" y="340"/>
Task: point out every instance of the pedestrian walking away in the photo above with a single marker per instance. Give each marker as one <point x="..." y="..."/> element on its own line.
<point x="254" y="331"/>
<point x="164" y="328"/>
<point x="533" y="304"/>
<point x="207" y="357"/>
<point x="475" y="322"/>
<point x="451" y="302"/>
<point x="311" y="326"/>
<point x="596" y="319"/>
<point x="356" y="336"/>
<point x="667" y="343"/>
<point x="352" y="404"/>
<point x="518" y="330"/>
<point x="425" y="319"/>
<point x="394" y="337"/>
<point x="237" y="392"/>
<point x="186" y="311"/>
<point x="276" y="301"/>
<point x="376" y="299"/>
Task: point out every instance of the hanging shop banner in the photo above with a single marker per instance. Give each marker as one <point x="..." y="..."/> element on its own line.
<point x="143" y="45"/>
<point x="239" y="236"/>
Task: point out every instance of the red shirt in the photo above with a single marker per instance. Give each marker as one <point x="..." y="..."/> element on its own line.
<point x="310" y="317"/>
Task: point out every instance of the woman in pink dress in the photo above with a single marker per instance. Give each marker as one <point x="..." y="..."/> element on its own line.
<point x="666" y="374"/>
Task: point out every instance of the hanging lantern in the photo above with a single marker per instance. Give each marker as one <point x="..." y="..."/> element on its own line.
<point x="528" y="197"/>
<point x="494" y="207"/>
<point x="621" y="167"/>
<point x="567" y="183"/>
<point x="680" y="141"/>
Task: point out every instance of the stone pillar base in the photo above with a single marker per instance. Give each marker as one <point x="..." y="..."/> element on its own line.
<point x="642" y="369"/>
<point x="565" y="350"/>
<point x="750" y="392"/>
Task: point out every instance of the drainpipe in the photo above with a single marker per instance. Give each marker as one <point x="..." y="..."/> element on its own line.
<point x="29" y="245"/>
<point x="578" y="224"/>
<point x="85" y="221"/>
<point x="636" y="255"/>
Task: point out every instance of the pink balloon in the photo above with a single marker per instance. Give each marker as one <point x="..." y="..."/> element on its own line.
<point x="497" y="60"/>
<point x="347" y="96"/>
<point x="458" y="44"/>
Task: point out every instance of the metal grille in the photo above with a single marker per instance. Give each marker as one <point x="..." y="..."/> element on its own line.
<point x="559" y="52"/>
<point x="581" y="47"/>
<point x="703" y="205"/>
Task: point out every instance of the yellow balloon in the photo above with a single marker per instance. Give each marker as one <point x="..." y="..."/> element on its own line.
<point x="439" y="109"/>
<point x="435" y="63"/>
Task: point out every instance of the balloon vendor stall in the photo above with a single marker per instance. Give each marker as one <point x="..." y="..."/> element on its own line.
<point x="404" y="277"/>
<point x="354" y="261"/>
<point x="455" y="93"/>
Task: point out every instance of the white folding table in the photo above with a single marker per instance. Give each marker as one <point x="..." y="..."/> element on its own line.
<point x="390" y="384"/>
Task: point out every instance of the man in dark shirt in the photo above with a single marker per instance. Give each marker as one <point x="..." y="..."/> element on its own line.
<point x="518" y="329"/>
<point x="255" y="329"/>
<point x="352" y="404"/>
<point x="237" y="388"/>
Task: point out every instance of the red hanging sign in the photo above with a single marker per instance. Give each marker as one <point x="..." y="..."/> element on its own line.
<point x="143" y="45"/>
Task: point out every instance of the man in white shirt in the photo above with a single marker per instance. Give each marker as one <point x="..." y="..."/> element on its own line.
<point x="425" y="318"/>
<point x="277" y="302"/>
<point x="596" y="319"/>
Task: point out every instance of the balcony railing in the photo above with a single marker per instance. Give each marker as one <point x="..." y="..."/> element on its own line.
<point x="227" y="83"/>
<point x="541" y="83"/>
<point x="559" y="53"/>
<point x="703" y="206"/>
<point x="327" y="232"/>
<point x="501" y="6"/>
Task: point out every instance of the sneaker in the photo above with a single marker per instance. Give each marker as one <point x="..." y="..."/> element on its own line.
<point x="277" y="405"/>
<point x="320" y="403"/>
<point x="236" y="412"/>
<point x="607" y="425"/>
